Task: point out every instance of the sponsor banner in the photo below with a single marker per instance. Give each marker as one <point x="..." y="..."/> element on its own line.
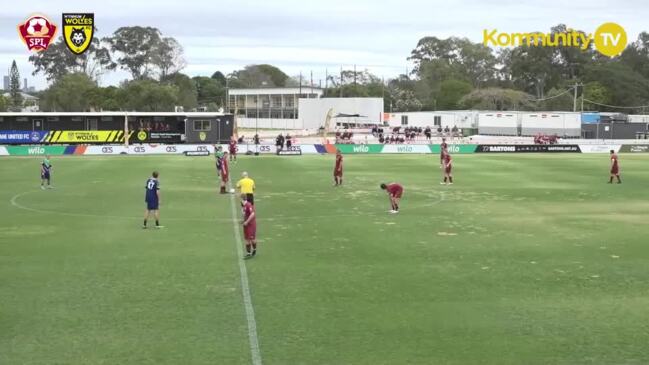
<point x="114" y="136"/>
<point x="599" y="148"/>
<point x="155" y="137"/>
<point x="360" y="148"/>
<point x="197" y="153"/>
<point x="3" y="151"/>
<point x="243" y="149"/>
<point x="405" y="148"/>
<point x="635" y="148"/>
<point x="22" y="137"/>
<point x="292" y="151"/>
<point x="454" y="148"/>
<point x="523" y="148"/>
<point x="38" y="150"/>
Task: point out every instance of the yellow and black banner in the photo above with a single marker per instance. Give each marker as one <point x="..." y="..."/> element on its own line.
<point x="114" y="136"/>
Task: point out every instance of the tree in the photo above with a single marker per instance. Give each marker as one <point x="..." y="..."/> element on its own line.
<point x="258" y="76"/>
<point x="149" y="96"/>
<point x="596" y="92"/>
<point x="497" y="99"/>
<point x="451" y="92"/>
<point x="219" y="77"/>
<point x="186" y="87"/>
<point x="14" y="87"/>
<point x="209" y="90"/>
<point x="169" y="57"/>
<point x="4" y="104"/>
<point x="144" y="53"/>
<point x="57" y="61"/>
<point x="70" y="93"/>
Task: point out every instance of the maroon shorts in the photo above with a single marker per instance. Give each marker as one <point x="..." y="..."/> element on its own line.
<point x="233" y="152"/>
<point x="224" y="177"/>
<point x="250" y="231"/>
<point x="448" y="169"/>
<point x="338" y="173"/>
<point x="397" y="194"/>
<point x="615" y="170"/>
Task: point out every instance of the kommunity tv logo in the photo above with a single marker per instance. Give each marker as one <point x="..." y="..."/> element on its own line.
<point x="608" y="39"/>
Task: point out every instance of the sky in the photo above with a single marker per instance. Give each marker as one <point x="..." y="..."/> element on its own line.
<point x="312" y="36"/>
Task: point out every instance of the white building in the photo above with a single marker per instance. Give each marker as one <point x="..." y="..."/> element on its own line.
<point x="300" y="108"/>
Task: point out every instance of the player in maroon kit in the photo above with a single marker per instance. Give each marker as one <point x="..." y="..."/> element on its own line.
<point x="395" y="191"/>
<point x="447" y="165"/>
<point x="615" y="168"/>
<point x="225" y="172"/>
<point x="249" y="227"/>
<point x="338" y="170"/>
<point x="233" y="149"/>
<point x="443" y="148"/>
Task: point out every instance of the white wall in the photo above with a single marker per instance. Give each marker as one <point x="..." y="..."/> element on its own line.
<point x="313" y="112"/>
<point x="638" y="118"/>
<point x="562" y="124"/>
<point x="460" y="118"/>
<point x="266" y="123"/>
<point x="498" y="123"/>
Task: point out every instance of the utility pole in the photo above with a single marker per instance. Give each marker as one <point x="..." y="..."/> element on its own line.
<point x="574" y="99"/>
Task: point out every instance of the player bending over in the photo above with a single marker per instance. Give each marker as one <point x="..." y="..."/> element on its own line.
<point x="46" y="170"/>
<point x="447" y="164"/>
<point x="152" y="200"/>
<point x="233" y="149"/>
<point x="338" y="169"/>
<point x="249" y="223"/>
<point x="395" y="191"/>
<point x="615" y="168"/>
<point x="225" y="172"/>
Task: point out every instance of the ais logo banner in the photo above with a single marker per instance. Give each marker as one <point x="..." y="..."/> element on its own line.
<point x="78" y="30"/>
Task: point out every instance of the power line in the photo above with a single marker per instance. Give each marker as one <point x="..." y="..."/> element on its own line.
<point x="554" y="96"/>
<point x="617" y="106"/>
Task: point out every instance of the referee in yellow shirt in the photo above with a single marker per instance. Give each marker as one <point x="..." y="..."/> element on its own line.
<point x="247" y="186"/>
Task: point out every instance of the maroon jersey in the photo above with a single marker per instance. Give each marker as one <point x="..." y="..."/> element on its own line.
<point x="395" y="190"/>
<point x="225" y="169"/>
<point x="233" y="146"/>
<point x="615" y="167"/>
<point x="250" y="229"/>
<point x="338" y="170"/>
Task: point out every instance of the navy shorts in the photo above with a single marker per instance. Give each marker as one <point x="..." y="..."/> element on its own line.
<point x="152" y="204"/>
<point x="45" y="175"/>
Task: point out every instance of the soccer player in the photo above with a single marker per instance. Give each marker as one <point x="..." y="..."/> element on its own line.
<point x="46" y="170"/>
<point x="233" y="149"/>
<point x="246" y="187"/>
<point x="447" y="164"/>
<point x="338" y="169"/>
<point x="152" y="200"/>
<point x="443" y="148"/>
<point x="249" y="223"/>
<point x="615" y="168"/>
<point x="225" y="172"/>
<point x="218" y="154"/>
<point x="395" y="191"/>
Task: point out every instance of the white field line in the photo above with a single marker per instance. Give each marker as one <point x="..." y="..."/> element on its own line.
<point x="245" y="289"/>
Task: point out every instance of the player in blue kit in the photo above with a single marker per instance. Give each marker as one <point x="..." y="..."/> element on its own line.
<point x="152" y="199"/>
<point x="46" y="170"/>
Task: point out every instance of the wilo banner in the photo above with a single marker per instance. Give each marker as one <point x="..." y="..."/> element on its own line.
<point x="406" y="148"/>
<point x="36" y="150"/>
<point x="454" y="148"/>
<point x="360" y="148"/>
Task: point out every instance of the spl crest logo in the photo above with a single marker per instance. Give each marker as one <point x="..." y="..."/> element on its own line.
<point x="78" y="30"/>
<point x="37" y="32"/>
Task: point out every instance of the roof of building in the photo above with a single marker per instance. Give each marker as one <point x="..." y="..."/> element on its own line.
<point x="276" y="90"/>
<point x="24" y="95"/>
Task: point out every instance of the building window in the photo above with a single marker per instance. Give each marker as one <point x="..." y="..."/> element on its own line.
<point x="404" y="120"/>
<point x="276" y="101"/>
<point x="202" y="125"/>
<point x="275" y="114"/>
<point x="437" y="120"/>
<point x="251" y="113"/>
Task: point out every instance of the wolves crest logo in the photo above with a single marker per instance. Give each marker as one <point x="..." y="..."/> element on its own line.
<point x="78" y="30"/>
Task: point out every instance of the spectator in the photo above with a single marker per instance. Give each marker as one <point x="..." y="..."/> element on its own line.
<point x="240" y="140"/>
<point x="439" y="130"/>
<point x="279" y="142"/>
<point x="256" y="139"/>
<point x="428" y="133"/>
<point x="289" y="142"/>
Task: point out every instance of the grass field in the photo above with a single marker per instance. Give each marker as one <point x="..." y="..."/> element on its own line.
<point x="527" y="259"/>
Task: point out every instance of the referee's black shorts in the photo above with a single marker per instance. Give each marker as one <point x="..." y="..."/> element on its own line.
<point x="250" y="198"/>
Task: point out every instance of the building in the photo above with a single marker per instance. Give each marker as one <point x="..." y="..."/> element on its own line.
<point x="269" y="107"/>
<point x="30" y="102"/>
<point x="5" y="83"/>
<point x="300" y="108"/>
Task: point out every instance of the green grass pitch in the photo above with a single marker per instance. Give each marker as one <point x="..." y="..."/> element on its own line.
<point x="527" y="259"/>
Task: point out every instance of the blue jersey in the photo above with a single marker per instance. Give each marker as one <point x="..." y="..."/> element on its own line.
<point x="152" y="187"/>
